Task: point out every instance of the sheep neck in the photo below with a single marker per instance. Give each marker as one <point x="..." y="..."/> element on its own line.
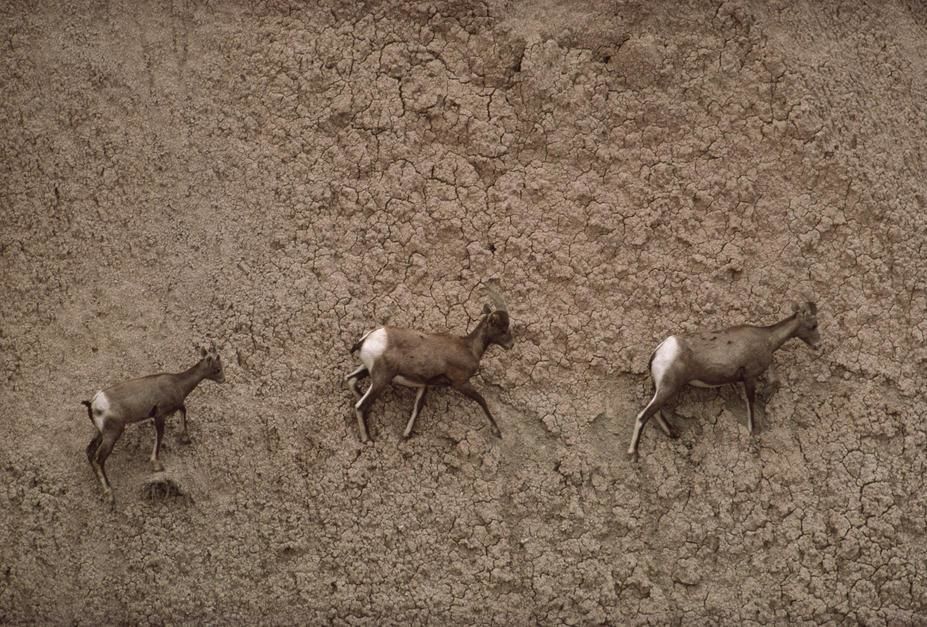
<point x="477" y="340"/>
<point x="782" y="331"/>
<point x="191" y="377"/>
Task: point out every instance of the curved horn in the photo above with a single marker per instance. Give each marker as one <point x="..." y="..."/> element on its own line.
<point x="492" y="289"/>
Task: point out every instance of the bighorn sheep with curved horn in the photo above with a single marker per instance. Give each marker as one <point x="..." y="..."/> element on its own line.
<point x="422" y="360"/>
<point x="738" y="354"/>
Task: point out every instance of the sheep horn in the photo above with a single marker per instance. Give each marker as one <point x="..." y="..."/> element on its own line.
<point x="495" y="296"/>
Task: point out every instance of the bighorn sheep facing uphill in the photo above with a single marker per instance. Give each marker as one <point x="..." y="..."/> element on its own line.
<point x="154" y="396"/>
<point x="420" y="360"/>
<point x="711" y="359"/>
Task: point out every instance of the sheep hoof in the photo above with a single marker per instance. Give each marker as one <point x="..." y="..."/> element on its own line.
<point x="632" y="455"/>
<point x="109" y="499"/>
<point x="157" y="466"/>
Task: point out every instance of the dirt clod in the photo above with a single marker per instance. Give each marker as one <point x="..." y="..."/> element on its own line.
<point x="160" y="487"/>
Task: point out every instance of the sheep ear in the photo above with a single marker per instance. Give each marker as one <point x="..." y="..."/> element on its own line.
<point x="795" y="308"/>
<point x="813" y="307"/>
<point x="202" y="352"/>
<point x="486" y="309"/>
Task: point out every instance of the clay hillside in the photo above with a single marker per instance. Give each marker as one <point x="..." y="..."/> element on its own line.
<point x="280" y="178"/>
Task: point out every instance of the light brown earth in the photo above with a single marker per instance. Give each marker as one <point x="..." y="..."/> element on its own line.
<point x="283" y="178"/>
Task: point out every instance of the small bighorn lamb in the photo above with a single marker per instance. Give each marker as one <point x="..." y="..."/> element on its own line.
<point x="711" y="359"/>
<point x="155" y="396"/>
<point x="420" y="360"/>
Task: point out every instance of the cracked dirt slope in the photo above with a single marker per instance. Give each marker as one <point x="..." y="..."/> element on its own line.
<point x="282" y="178"/>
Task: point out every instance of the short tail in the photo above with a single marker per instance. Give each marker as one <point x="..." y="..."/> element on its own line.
<point x="89" y="410"/>
<point x="359" y="342"/>
<point x="653" y="384"/>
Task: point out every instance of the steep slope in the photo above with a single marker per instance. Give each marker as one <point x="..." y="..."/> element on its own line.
<point x="283" y="178"/>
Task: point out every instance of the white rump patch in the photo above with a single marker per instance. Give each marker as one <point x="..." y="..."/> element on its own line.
<point x="100" y="406"/>
<point x="663" y="357"/>
<point x="374" y="345"/>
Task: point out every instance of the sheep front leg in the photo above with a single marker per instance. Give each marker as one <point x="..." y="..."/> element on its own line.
<point x="184" y="437"/>
<point x="467" y="389"/>
<point x="156" y="464"/>
<point x="772" y="382"/>
<point x="750" y="393"/>
<point x="419" y="401"/>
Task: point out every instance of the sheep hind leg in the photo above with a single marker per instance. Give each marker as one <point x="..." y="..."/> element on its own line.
<point x="419" y="401"/>
<point x="111" y="433"/>
<point x="354" y="378"/>
<point x="659" y="398"/>
<point x="667" y="428"/>
<point x="379" y="379"/>
<point x="92" y="447"/>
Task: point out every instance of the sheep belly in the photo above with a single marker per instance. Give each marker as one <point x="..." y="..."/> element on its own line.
<point x="702" y="384"/>
<point x="409" y="383"/>
<point x="132" y="401"/>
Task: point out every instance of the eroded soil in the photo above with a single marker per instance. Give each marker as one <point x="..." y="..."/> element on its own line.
<point x="283" y="178"/>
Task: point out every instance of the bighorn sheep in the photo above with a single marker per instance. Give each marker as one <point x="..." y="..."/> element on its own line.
<point x="419" y="360"/>
<point x="155" y="396"/>
<point x="711" y="359"/>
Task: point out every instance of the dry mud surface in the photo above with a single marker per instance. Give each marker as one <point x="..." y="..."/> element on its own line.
<point x="282" y="178"/>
